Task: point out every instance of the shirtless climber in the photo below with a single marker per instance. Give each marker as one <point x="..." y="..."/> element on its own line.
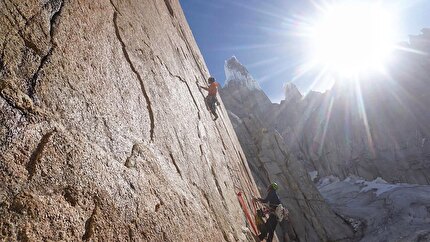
<point x="211" y="99"/>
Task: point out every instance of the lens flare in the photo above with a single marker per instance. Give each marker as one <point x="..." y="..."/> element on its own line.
<point x="352" y="38"/>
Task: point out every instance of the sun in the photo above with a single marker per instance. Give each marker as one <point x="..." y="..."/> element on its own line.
<point x="352" y="38"/>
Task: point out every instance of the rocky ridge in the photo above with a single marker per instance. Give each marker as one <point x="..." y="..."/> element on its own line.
<point x="378" y="127"/>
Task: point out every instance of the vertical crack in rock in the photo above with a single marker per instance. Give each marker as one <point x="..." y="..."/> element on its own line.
<point x="176" y="165"/>
<point x="133" y="68"/>
<point x="205" y="195"/>
<point x="183" y="53"/>
<point x="2" y="64"/>
<point x="183" y="81"/>
<point x="180" y="143"/>
<point x="222" y="140"/>
<point x="198" y="131"/>
<point x="157" y="207"/>
<point x="90" y="224"/>
<point x="197" y="84"/>
<point x="37" y="154"/>
<point x="114" y="7"/>
<point x="201" y="149"/>
<point x="169" y="7"/>
<point x="191" y="94"/>
<point x="33" y="80"/>
<point x="53" y="22"/>
<point x="217" y="183"/>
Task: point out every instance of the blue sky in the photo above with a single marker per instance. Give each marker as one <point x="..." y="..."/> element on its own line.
<point x="262" y="35"/>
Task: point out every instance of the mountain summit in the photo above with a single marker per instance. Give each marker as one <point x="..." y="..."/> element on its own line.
<point x="241" y="89"/>
<point x="237" y="74"/>
<point x="291" y="92"/>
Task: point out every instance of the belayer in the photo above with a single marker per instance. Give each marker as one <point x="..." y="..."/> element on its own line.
<point x="276" y="212"/>
<point x="211" y="99"/>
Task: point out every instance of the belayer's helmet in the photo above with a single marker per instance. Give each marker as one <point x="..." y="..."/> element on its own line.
<point x="211" y="79"/>
<point x="273" y="186"/>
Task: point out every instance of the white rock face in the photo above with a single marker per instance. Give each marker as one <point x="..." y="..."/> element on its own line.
<point x="382" y="211"/>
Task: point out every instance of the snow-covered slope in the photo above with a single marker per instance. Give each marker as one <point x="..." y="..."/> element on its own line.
<point x="382" y="211"/>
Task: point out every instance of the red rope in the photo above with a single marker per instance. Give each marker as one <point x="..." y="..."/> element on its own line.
<point x="245" y="210"/>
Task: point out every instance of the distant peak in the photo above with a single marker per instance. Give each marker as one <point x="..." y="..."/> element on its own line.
<point x="291" y="92"/>
<point x="289" y="86"/>
<point x="236" y="73"/>
<point x="234" y="64"/>
<point x="233" y="59"/>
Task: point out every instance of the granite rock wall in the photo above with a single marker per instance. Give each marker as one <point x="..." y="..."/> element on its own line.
<point x="104" y="132"/>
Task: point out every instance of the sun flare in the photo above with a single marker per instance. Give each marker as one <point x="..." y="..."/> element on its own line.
<point x="352" y="38"/>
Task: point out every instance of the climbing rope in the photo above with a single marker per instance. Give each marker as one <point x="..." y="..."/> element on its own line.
<point x="247" y="214"/>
